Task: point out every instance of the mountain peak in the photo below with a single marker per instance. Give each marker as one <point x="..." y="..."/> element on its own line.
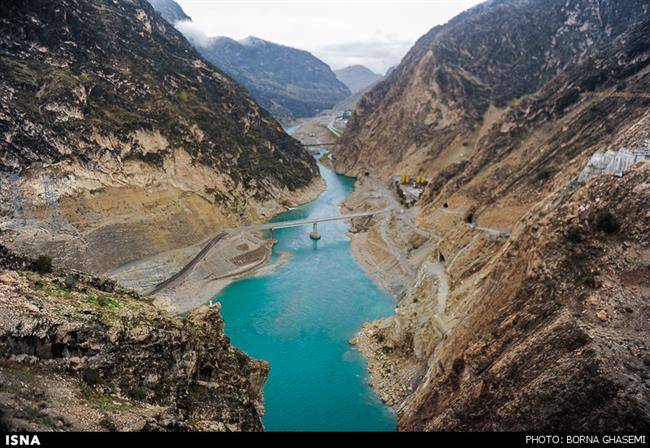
<point x="287" y="81"/>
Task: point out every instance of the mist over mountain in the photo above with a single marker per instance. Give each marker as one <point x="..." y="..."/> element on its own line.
<point x="288" y="82"/>
<point x="170" y="10"/>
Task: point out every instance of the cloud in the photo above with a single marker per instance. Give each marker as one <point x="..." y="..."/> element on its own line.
<point x="192" y="32"/>
<point x="375" y="33"/>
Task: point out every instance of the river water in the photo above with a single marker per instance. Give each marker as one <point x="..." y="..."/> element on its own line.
<point x="300" y="318"/>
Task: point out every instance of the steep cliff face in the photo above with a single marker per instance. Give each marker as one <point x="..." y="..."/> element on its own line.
<point x="79" y="353"/>
<point x="556" y="336"/>
<point x="541" y="142"/>
<point x="120" y="141"/>
<point x="433" y="109"/>
<point x="288" y="82"/>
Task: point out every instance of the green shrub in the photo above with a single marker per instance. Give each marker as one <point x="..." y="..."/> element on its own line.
<point x="574" y="235"/>
<point x="138" y="393"/>
<point x="607" y="222"/>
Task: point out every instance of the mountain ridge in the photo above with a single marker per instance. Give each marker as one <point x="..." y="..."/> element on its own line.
<point x="288" y="82"/>
<point x="134" y="137"/>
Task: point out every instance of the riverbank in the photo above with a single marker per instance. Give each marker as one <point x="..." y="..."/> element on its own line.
<point x="300" y="319"/>
<point x="232" y="258"/>
<point x="398" y="256"/>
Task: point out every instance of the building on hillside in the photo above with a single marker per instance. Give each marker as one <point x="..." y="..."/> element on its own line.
<point x="614" y="162"/>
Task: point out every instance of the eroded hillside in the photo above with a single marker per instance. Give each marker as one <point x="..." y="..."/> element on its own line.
<point x="120" y="141"/>
<point x="521" y="295"/>
<point x="553" y="334"/>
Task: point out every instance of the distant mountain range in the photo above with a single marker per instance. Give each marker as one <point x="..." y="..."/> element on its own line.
<point x="288" y="82"/>
<point x="357" y="77"/>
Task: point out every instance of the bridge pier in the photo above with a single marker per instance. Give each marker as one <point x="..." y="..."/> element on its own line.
<point x="314" y="235"/>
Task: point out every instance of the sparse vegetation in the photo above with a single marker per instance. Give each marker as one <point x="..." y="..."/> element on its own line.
<point x="544" y="174"/>
<point x="138" y="393"/>
<point x="102" y="300"/>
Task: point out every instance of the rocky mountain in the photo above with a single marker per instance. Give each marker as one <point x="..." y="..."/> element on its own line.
<point x="120" y="141"/>
<point x="288" y="82"/>
<point x="458" y="78"/>
<point x="521" y="294"/>
<point x="357" y="77"/>
<point x="170" y="10"/>
<point x="78" y="353"/>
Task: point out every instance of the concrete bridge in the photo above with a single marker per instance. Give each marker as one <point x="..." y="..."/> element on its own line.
<point x="302" y="222"/>
<point x="257" y="228"/>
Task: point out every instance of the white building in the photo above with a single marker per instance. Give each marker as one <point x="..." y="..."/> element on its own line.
<point x="614" y="162"/>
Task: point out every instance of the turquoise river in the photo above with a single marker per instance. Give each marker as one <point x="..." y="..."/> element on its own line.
<point x="300" y="317"/>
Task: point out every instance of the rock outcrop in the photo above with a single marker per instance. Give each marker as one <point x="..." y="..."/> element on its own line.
<point x="120" y="141"/>
<point x="80" y="353"/>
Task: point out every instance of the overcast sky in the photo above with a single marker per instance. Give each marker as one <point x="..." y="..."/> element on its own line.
<point x="374" y="33"/>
